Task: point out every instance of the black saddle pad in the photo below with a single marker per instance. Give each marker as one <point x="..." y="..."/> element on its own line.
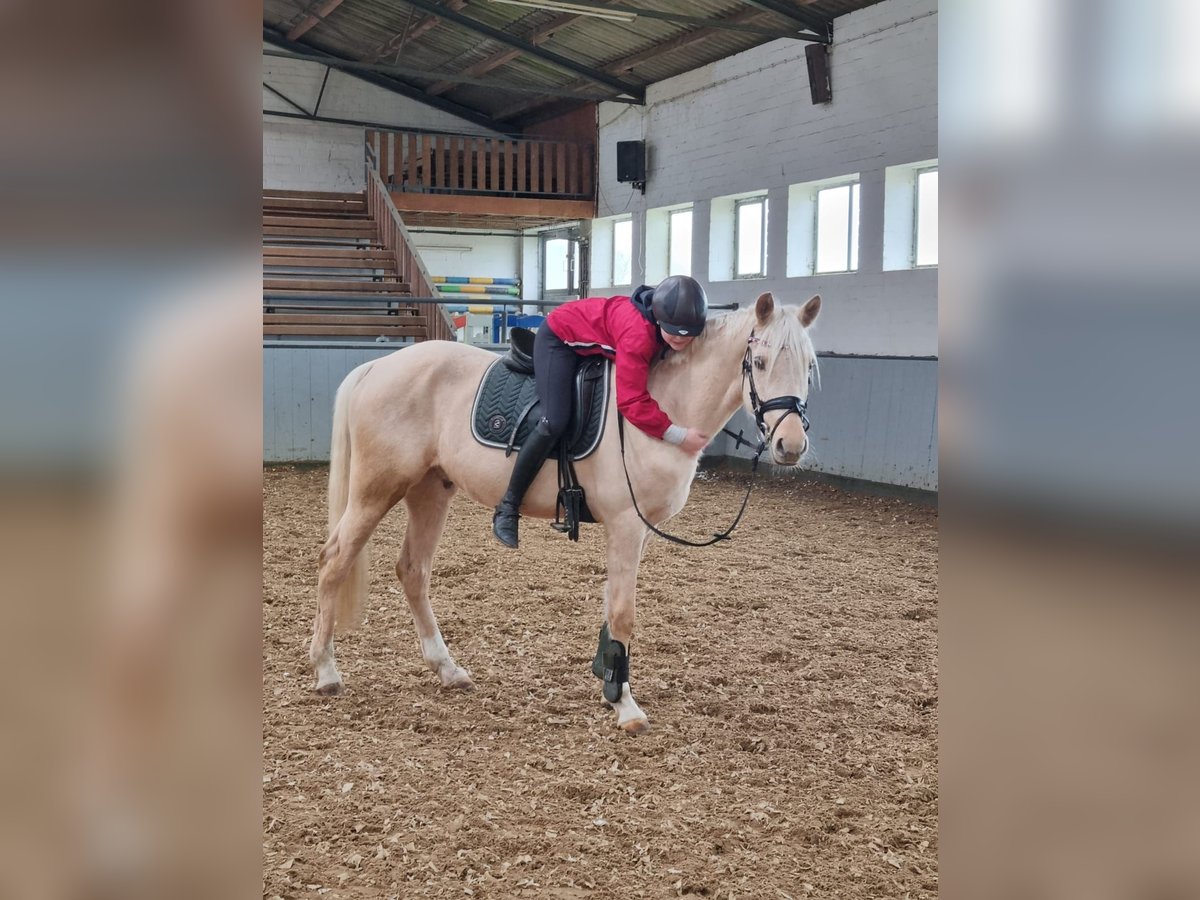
<point x="506" y="401"/>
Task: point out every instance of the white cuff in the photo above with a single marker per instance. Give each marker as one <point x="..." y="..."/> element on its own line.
<point x="675" y="434"/>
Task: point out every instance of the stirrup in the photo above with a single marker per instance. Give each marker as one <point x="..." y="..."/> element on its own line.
<point x="567" y="511"/>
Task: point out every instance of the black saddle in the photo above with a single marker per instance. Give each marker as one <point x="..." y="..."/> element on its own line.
<point x="506" y="407"/>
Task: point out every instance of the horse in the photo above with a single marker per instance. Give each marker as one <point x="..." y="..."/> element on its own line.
<point x="401" y="433"/>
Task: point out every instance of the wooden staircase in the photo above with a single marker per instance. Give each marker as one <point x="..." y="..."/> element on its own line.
<point x="329" y="273"/>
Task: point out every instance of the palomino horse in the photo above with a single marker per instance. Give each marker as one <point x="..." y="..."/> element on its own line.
<point x="402" y="431"/>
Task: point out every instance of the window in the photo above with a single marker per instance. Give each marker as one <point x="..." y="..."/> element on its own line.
<point x="837" y="229"/>
<point x="622" y="270"/>
<point x="737" y="236"/>
<point x="679" y="242"/>
<point x="750" y="238"/>
<point x="560" y="262"/>
<point x="925" y="218"/>
<point x="910" y="216"/>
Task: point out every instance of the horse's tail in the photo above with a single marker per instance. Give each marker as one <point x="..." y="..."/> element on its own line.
<point x="348" y="600"/>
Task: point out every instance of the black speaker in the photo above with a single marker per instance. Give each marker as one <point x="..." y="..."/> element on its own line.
<point x="631" y="162"/>
<point x="818" y="73"/>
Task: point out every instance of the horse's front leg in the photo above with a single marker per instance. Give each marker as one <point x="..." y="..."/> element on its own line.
<point x="626" y="541"/>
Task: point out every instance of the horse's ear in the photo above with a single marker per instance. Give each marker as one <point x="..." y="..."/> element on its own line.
<point x="808" y="312"/>
<point x="763" y="307"/>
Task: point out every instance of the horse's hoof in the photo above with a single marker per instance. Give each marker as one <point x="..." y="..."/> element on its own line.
<point x="459" y="681"/>
<point x="332" y="689"/>
<point x="636" y="726"/>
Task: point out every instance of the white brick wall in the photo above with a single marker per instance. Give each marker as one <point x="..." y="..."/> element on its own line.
<point x="747" y="123"/>
<point x="316" y="156"/>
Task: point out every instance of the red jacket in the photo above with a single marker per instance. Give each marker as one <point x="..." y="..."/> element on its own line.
<point x="614" y="327"/>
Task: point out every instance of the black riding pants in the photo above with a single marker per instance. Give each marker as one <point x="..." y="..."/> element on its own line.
<point x="554" y="365"/>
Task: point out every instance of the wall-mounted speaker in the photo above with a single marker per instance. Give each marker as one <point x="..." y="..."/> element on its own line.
<point x="819" y="85"/>
<point x="631" y="163"/>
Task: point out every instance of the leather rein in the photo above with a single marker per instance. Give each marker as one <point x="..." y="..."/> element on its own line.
<point x="788" y="404"/>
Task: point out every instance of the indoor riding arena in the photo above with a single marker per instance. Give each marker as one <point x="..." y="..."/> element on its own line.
<point x="441" y="176"/>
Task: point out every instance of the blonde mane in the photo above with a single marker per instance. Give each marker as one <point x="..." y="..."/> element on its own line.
<point x="784" y="331"/>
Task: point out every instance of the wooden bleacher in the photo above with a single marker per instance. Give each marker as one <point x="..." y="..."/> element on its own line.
<point x="326" y="272"/>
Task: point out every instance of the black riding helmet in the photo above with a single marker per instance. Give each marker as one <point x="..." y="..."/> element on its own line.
<point x="679" y="306"/>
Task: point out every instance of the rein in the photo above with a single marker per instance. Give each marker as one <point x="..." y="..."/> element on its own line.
<point x="789" y="404"/>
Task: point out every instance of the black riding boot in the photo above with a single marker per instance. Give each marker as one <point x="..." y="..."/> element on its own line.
<point x="529" y="462"/>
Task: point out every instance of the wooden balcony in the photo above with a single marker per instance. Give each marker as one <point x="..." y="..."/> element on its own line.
<point x="473" y="181"/>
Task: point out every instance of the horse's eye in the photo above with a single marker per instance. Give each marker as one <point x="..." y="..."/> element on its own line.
<point x="760" y="363"/>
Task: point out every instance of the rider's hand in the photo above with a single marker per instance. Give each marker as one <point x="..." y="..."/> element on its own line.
<point x="695" y="441"/>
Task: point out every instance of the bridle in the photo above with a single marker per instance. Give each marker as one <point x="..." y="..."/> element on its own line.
<point x="789" y="404"/>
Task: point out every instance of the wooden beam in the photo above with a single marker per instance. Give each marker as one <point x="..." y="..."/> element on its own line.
<point x="619" y="87"/>
<point x="494" y="206"/>
<point x="398" y="40"/>
<point x="331" y="286"/>
<point x="373" y="258"/>
<point x="315" y="19"/>
<point x="496" y="60"/>
<point x="314" y="195"/>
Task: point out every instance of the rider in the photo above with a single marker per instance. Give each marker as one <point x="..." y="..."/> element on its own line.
<point x="633" y="331"/>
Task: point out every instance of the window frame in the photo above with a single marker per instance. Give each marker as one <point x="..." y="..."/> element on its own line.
<point x="574" y="261"/>
<point x="762" y="260"/>
<point x="916" y="223"/>
<point x="851" y="220"/>
<point x="612" y="268"/>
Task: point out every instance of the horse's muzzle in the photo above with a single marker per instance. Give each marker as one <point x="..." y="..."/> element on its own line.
<point x="782" y="455"/>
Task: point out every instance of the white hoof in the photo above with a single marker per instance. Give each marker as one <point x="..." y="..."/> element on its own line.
<point x="455" y="678"/>
<point x="329" y="679"/>
<point x="630" y="717"/>
<point x="635" y="726"/>
<point x="329" y="688"/>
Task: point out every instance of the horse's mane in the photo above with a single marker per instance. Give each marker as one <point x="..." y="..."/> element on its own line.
<point x="783" y="331"/>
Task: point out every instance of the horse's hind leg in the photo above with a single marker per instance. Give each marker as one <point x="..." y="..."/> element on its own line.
<point x="428" y="502"/>
<point x="342" y="572"/>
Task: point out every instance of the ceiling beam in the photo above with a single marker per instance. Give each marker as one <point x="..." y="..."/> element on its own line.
<point x="681" y="19"/>
<point x="398" y="40"/>
<point x="286" y="99"/>
<point x="496" y="60"/>
<point x="403" y="72"/>
<point x="314" y="19"/>
<point x="626" y="63"/>
<point x="529" y="49"/>
<point x="366" y="123"/>
<point x="392" y="84"/>
<point x="820" y="24"/>
<point x="731" y="23"/>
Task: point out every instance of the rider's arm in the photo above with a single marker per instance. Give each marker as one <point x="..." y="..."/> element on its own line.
<point x="633" y="396"/>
